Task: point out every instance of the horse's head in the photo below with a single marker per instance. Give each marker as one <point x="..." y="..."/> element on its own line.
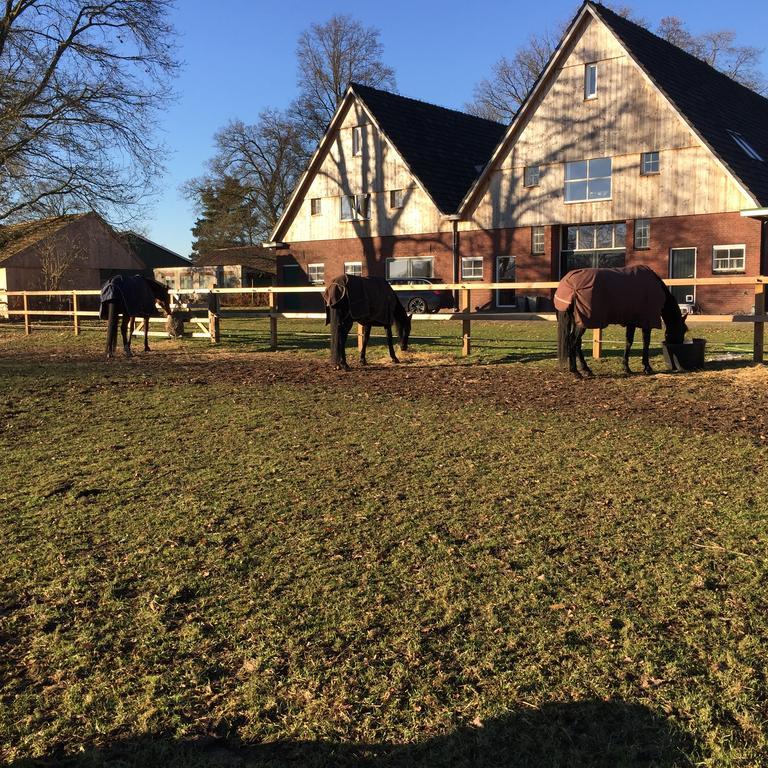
<point x="674" y="333"/>
<point x="403" y="331"/>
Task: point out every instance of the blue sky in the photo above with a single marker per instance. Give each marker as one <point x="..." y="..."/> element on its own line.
<point x="239" y="58"/>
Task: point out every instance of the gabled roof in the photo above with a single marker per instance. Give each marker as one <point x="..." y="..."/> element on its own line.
<point x="445" y="149"/>
<point x="153" y="256"/>
<point x="251" y="256"/>
<point x="712" y="103"/>
<point x="709" y="102"/>
<point x="15" y="238"/>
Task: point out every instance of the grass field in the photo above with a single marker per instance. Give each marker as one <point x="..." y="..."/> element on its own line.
<point x="226" y="556"/>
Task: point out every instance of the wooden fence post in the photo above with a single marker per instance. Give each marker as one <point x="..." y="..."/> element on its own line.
<point x="213" y="317"/>
<point x="74" y="313"/>
<point x="27" y="329"/>
<point x="757" y="345"/>
<point x="597" y="343"/>
<point x="359" y="337"/>
<point x="272" y="321"/>
<point x="466" y="323"/>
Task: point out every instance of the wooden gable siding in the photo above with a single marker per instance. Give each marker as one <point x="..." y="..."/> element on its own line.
<point x="628" y="117"/>
<point x="377" y="171"/>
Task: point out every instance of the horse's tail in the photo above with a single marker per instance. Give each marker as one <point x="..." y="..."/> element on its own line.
<point x="566" y="329"/>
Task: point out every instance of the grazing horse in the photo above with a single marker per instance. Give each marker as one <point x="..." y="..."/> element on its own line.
<point x="635" y="297"/>
<point x="130" y="297"/>
<point x="368" y="301"/>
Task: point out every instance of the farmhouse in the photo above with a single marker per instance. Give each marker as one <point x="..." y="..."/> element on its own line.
<point x="627" y="150"/>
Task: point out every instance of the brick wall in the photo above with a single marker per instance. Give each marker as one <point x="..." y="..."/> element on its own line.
<point x="701" y="232"/>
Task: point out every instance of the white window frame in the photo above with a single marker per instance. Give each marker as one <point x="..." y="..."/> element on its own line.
<point x="409" y="261"/>
<point x="316" y="202"/>
<point x="647" y="161"/>
<point x="357" y="140"/>
<point x="356" y="268"/>
<point x="745" y="145"/>
<point x="535" y="172"/>
<point x="535" y="233"/>
<point x="396" y="202"/>
<point x="316" y="280"/>
<point x="590" y="84"/>
<point x="469" y="267"/>
<point x="588" y="179"/>
<point x="647" y="235"/>
<point x="716" y="248"/>
<point x="356" y="207"/>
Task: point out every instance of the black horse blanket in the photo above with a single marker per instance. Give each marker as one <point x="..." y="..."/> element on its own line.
<point x="623" y="296"/>
<point x="371" y="299"/>
<point x="132" y="294"/>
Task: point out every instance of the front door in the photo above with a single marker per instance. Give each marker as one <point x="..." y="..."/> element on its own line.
<point x="505" y="273"/>
<point x="682" y="264"/>
<point x="293" y="275"/>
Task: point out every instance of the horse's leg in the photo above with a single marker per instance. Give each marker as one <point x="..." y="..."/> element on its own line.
<point x="646" y="344"/>
<point x="125" y="332"/>
<point x="344" y="327"/>
<point x="111" y="329"/>
<point x="630" y="337"/>
<point x="580" y="352"/>
<point x="366" y="337"/>
<point x="390" y="344"/>
<point x="146" y="335"/>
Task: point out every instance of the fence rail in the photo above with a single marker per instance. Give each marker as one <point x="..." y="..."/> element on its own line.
<point x="209" y="323"/>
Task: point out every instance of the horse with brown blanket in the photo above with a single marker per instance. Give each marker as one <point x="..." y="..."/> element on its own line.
<point x="369" y="301"/>
<point x="635" y="297"/>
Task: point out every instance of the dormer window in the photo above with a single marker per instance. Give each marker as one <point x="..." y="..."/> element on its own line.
<point x="590" y="81"/>
<point x="357" y="140"/>
<point x="745" y="145"/>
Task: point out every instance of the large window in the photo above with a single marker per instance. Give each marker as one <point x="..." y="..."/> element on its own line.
<point x="355" y="207"/>
<point x="420" y="266"/>
<point x="728" y="258"/>
<point x="594" y="245"/>
<point x="316" y="274"/>
<point x="471" y="268"/>
<point x="587" y="180"/>
<point x="590" y="81"/>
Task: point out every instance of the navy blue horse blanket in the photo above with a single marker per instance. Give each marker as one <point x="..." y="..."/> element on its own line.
<point x="371" y="299"/>
<point x="132" y="295"/>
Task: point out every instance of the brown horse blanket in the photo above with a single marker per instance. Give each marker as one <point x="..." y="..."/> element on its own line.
<point x="132" y="294"/>
<point x="371" y="299"/>
<point x="624" y="296"/>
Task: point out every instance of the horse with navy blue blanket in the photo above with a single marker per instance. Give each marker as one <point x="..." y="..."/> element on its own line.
<point x="131" y="297"/>
<point x="368" y="301"/>
<point x="635" y="297"/>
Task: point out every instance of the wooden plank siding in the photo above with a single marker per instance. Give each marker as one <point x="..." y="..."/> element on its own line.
<point x="628" y="117"/>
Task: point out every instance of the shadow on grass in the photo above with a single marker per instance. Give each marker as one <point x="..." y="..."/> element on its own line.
<point x="588" y="733"/>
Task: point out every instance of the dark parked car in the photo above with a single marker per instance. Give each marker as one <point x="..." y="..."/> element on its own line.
<point x="421" y="299"/>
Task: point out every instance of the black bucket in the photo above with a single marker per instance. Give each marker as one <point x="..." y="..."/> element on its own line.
<point x="684" y="357"/>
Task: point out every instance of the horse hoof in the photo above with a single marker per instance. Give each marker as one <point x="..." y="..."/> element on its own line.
<point x="395" y="360"/>
<point x="363" y="362"/>
<point x="648" y="371"/>
<point x="587" y="373"/>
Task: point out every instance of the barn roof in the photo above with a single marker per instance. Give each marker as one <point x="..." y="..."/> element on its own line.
<point x="152" y="255"/>
<point x="15" y="238"/>
<point x="713" y="104"/>
<point x="444" y="148"/>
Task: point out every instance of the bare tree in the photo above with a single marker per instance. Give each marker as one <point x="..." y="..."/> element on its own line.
<point x="81" y="84"/>
<point x="249" y="179"/>
<point x="58" y="257"/>
<point x="500" y="96"/>
<point x="329" y="57"/>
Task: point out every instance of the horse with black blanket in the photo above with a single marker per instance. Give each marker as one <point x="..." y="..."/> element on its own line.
<point x="635" y="297"/>
<point x="131" y="297"/>
<point x="369" y="301"/>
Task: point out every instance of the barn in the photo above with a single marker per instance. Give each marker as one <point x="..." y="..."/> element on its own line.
<point x="627" y="150"/>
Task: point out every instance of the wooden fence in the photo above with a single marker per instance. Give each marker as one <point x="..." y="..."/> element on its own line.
<point x="207" y="320"/>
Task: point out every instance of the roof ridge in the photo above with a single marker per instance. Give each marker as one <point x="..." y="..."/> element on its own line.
<point x="356" y="86"/>
<point x="605" y="10"/>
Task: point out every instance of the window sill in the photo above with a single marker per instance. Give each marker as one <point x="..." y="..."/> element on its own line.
<point x="596" y="200"/>
<point x="729" y="271"/>
<point x="650" y="173"/>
